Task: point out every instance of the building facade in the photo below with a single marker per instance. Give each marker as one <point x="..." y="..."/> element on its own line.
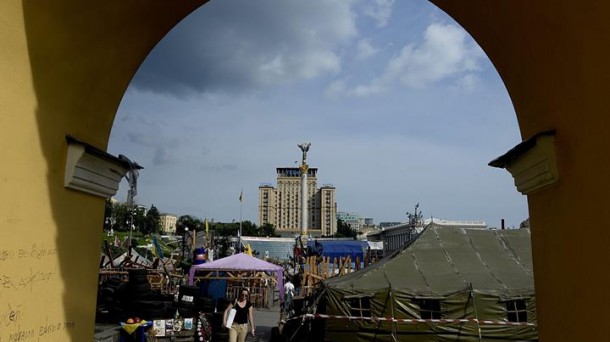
<point x="281" y="205"/>
<point x="168" y="223"/>
<point x="355" y="221"/>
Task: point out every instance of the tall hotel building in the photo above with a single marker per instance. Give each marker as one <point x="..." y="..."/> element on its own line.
<point x="281" y="206"/>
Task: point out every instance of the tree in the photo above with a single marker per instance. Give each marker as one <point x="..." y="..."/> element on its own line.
<point x="190" y="222"/>
<point x="226" y="229"/>
<point x="152" y="221"/>
<point x="109" y="215"/>
<point x="344" y="229"/>
<point x="224" y="245"/>
<point x="525" y="223"/>
<point x="121" y="213"/>
<point x="139" y="218"/>
<point x="248" y="229"/>
<point x="267" y="230"/>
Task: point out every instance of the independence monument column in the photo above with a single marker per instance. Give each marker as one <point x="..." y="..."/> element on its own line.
<point x="304" y="169"/>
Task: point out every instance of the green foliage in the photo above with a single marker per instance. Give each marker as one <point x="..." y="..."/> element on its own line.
<point x="109" y="219"/>
<point x="121" y="213"/>
<point x="247" y="229"/>
<point x="145" y="252"/>
<point x="116" y="216"/>
<point x="344" y="230"/>
<point x="225" y="229"/>
<point x="139" y="218"/>
<point x="114" y="250"/>
<point x="190" y="222"/>
<point x="268" y="230"/>
<point x="224" y="244"/>
<point x="152" y="221"/>
<point x="525" y="223"/>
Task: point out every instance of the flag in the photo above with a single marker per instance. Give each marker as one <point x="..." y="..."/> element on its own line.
<point x="241" y="195"/>
<point x="157" y="247"/>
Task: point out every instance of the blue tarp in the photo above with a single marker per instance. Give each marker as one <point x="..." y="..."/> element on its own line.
<point x="213" y="288"/>
<point x="339" y="249"/>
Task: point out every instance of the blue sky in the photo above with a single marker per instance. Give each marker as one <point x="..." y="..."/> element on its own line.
<point x="399" y="103"/>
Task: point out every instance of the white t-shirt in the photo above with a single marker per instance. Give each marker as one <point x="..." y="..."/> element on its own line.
<point x="289" y="288"/>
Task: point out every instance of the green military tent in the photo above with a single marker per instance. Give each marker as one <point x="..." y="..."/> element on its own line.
<point x="449" y="284"/>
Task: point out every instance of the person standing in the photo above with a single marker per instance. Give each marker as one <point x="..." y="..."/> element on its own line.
<point x="288" y="288"/>
<point x="297" y="283"/>
<point x="288" y="294"/>
<point x="244" y="315"/>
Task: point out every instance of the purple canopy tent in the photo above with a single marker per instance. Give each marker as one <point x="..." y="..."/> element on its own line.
<point x="241" y="262"/>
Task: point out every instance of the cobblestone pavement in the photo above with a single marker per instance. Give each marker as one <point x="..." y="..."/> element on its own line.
<point x="265" y="320"/>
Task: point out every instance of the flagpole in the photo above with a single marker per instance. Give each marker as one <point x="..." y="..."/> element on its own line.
<point x="241" y="202"/>
<point x="207" y="237"/>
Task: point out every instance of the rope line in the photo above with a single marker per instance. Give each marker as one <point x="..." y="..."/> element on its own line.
<point x="415" y="320"/>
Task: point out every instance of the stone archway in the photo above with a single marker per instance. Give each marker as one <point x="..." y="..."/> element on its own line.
<point x="551" y="57"/>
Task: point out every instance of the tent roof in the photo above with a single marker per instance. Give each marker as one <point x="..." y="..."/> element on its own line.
<point x="375" y="245"/>
<point x="444" y="260"/>
<point x="238" y="262"/>
<point x="341" y="248"/>
<point x="241" y="262"/>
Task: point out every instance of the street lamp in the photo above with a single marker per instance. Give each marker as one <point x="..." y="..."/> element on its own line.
<point x="186" y="230"/>
<point x="110" y="221"/>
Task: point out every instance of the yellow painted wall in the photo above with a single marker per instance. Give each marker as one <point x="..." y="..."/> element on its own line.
<point x="64" y="66"/>
<point x="553" y="58"/>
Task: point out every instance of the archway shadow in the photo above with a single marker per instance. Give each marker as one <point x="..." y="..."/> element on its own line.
<point x="82" y="57"/>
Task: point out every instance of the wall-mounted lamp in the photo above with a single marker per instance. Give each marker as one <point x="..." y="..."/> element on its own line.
<point x="532" y="163"/>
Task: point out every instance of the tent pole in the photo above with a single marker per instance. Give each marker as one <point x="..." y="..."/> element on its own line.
<point x="476" y="315"/>
<point x="391" y="296"/>
<point x="393" y="315"/>
<point x="313" y="308"/>
<point x="379" y="322"/>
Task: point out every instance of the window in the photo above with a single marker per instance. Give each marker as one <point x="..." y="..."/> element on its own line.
<point x="359" y="306"/>
<point x="429" y="308"/>
<point x="516" y="310"/>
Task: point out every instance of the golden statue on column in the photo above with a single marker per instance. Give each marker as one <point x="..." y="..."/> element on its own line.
<point x="304" y="196"/>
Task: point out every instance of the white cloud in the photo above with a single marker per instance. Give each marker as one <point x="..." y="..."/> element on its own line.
<point x="315" y="63"/>
<point x="265" y="43"/>
<point x="365" y="49"/>
<point x="446" y="51"/>
<point x="379" y="10"/>
<point x="338" y="89"/>
<point x="376" y="87"/>
<point x="287" y="68"/>
<point x="335" y="90"/>
<point x="468" y="82"/>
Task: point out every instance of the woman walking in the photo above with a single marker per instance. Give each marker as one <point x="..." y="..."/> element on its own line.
<point x="243" y="315"/>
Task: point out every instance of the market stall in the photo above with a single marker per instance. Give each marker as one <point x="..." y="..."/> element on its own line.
<point x="241" y="270"/>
